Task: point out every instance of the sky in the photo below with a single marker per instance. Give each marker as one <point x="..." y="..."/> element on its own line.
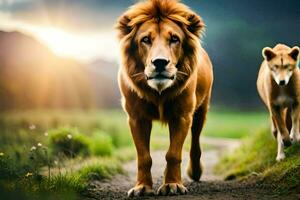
<point x="83" y="30"/>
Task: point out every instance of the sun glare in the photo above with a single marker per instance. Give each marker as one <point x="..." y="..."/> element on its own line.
<point x="84" y="47"/>
<point x="61" y="42"/>
<point x="79" y="45"/>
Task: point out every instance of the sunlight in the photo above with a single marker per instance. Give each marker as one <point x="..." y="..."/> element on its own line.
<point x="78" y="45"/>
<point x="84" y="46"/>
<point x="59" y="41"/>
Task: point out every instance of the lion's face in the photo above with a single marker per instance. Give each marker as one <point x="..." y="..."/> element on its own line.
<point x="160" y="47"/>
<point x="159" y="44"/>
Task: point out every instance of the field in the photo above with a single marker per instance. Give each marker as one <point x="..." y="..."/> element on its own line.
<point x="47" y="149"/>
<point x="255" y="159"/>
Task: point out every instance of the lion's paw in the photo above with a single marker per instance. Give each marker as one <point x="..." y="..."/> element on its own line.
<point x="172" y="189"/>
<point x="140" y="190"/>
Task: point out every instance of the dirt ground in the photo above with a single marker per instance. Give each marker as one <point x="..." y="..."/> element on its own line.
<point x="211" y="186"/>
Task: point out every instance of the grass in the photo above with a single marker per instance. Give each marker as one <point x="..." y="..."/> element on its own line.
<point x="27" y="170"/>
<point x="103" y="141"/>
<point x="21" y="130"/>
<point x="63" y="183"/>
<point x="101" y="169"/>
<point x="234" y="124"/>
<point x="59" y="187"/>
<point x="256" y="159"/>
<point x="30" y="126"/>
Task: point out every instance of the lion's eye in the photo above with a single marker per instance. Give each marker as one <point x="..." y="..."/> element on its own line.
<point x="174" y="39"/>
<point x="146" y="40"/>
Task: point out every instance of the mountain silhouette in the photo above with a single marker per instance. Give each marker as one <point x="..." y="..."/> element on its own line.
<point x="33" y="77"/>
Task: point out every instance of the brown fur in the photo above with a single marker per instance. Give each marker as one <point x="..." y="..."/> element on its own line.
<point x="282" y="101"/>
<point x="182" y="106"/>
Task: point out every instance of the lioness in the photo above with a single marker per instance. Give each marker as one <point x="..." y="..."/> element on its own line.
<point x="165" y="75"/>
<point x="278" y="84"/>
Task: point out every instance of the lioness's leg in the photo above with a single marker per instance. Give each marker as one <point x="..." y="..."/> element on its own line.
<point x="178" y="128"/>
<point x="295" y="135"/>
<point x="288" y="119"/>
<point x="195" y="167"/>
<point x="141" y="129"/>
<point x="283" y="138"/>
<point x="279" y="116"/>
<point x="280" y="153"/>
<point x="273" y="127"/>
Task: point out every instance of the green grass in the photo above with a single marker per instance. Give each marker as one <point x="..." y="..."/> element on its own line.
<point x="256" y="159"/>
<point x="234" y="124"/>
<point x="226" y="124"/>
<point x="63" y="183"/>
<point x="255" y="155"/>
<point x="101" y="169"/>
<point x="112" y="122"/>
<point x="101" y="144"/>
<point x="104" y="134"/>
<point x="58" y="187"/>
<point x="107" y="143"/>
<point x="19" y="131"/>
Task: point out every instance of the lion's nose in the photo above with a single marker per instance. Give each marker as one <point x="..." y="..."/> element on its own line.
<point x="160" y="64"/>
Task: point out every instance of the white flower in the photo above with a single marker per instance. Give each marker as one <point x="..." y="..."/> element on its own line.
<point x="33" y="148"/>
<point x="1" y="154"/>
<point x="28" y="174"/>
<point x="69" y="136"/>
<point x="46" y="134"/>
<point x="39" y="144"/>
<point x="32" y="127"/>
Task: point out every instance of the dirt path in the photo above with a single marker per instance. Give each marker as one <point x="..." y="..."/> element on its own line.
<point x="210" y="186"/>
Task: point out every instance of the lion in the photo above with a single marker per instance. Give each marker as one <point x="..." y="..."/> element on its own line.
<point x="165" y="75"/>
<point x="278" y="84"/>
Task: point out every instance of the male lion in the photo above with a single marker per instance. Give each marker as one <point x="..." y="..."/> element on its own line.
<point x="165" y="75"/>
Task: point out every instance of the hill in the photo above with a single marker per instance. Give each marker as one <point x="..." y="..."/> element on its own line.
<point x="32" y="77"/>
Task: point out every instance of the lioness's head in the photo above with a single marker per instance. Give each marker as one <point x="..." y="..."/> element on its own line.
<point x="159" y="42"/>
<point x="282" y="61"/>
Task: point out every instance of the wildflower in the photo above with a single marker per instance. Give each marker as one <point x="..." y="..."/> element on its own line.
<point x="46" y="134"/>
<point x="33" y="148"/>
<point x="32" y="127"/>
<point x="69" y="136"/>
<point x="1" y="154"/>
<point x="39" y="144"/>
<point x="28" y="174"/>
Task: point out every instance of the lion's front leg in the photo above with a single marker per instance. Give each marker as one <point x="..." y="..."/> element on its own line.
<point x="179" y="128"/>
<point x="141" y="130"/>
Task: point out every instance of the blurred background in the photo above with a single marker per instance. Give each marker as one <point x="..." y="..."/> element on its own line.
<point x="59" y="97"/>
<point x="64" y="53"/>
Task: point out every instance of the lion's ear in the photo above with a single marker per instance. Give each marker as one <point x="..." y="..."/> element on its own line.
<point x="196" y="25"/>
<point x="268" y="53"/>
<point x="123" y="26"/>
